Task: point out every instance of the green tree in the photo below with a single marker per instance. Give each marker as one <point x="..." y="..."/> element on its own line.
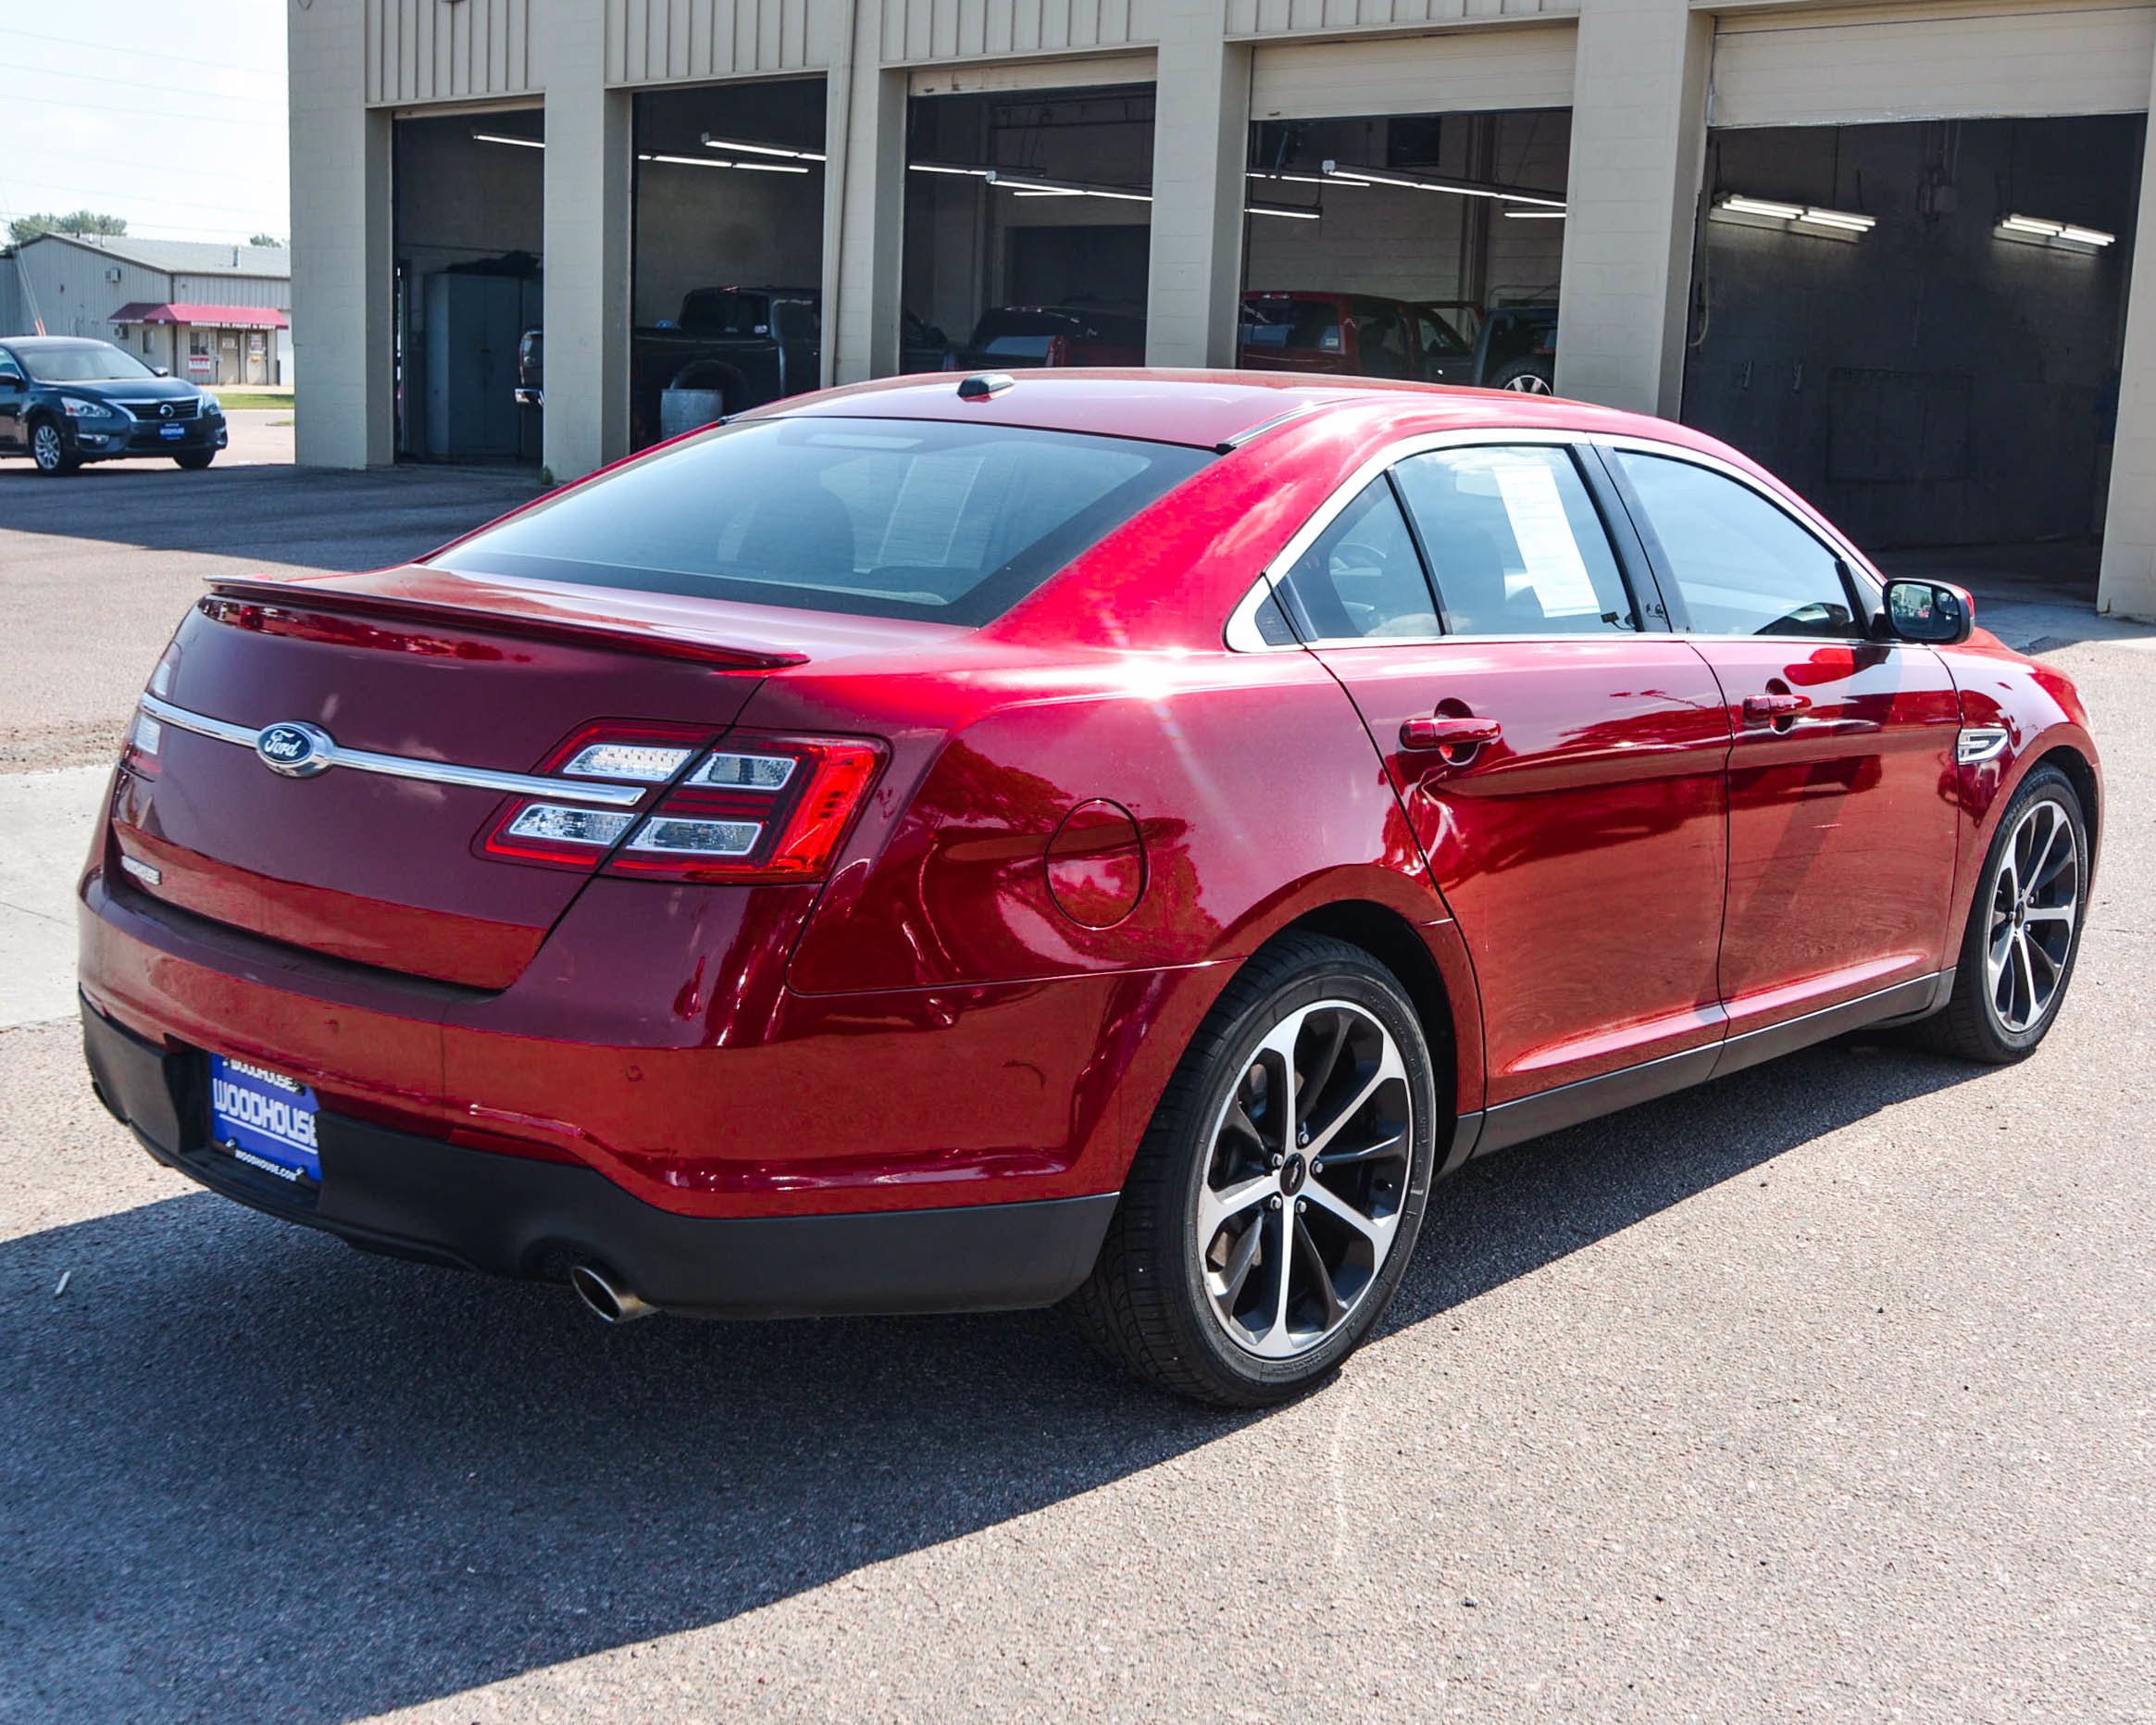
<point x="269" y="240"/>
<point x="76" y="221"/>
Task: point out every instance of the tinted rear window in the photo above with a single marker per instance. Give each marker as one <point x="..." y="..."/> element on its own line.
<point x="715" y="311"/>
<point x="1280" y="324"/>
<point x="948" y="523"/>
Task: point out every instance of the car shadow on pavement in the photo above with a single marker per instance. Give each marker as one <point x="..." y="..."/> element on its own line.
<point x="292" y="517"/>
<point x="251" y="1472"/>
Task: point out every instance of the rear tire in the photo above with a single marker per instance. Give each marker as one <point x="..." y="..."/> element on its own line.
<point x="2015" y="963"/>
<point x="1239" y="1269"/>
<point x="49" y="451"/>
<point x="195" y="460"/>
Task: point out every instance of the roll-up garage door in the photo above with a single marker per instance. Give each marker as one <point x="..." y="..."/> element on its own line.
<point x="1449" y="71"/>
<point x="1902" y="62"/>
<point x="995" y="77"/>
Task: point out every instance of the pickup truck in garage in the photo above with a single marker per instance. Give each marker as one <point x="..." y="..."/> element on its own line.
<point x="730" y="349"/>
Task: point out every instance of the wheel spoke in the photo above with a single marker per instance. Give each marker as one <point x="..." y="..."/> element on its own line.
<point x="1313" y="1260"/>
<point x="1217" y="1209"/>
<point x="1388" y="1147"/>
<point x="1312" y="1083"/>
<point x="1282" y="1220"/>
<point x="2026" y="981"/>
<point x="1239" y="1120"/>
<point x="1377" y="1230"/>
<point x="2050" y="913"/>
<point x="1236" y="1272"/>
<point x="1389" y="1069"/>
<point x="2057" y="858"/>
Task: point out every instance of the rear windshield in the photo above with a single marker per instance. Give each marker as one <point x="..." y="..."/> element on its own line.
<point x="881" y="518"/>
<point x="1282" y="324"/>
<point x="716" y="311"/>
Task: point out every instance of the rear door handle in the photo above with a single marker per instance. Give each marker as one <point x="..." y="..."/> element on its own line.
<point x="1766" y="708"/>
<point x="1447" y="731"/>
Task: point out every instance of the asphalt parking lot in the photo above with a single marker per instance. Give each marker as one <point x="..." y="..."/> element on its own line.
<point x="1828" y="1391"/>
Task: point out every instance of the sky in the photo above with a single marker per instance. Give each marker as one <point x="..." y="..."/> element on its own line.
<point x="170" y="113"/>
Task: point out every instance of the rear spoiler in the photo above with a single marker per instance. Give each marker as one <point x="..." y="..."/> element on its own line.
<point x="624" y="633"/>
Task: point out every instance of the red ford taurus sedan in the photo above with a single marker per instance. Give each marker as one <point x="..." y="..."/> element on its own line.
<point x="1112" y="838"/>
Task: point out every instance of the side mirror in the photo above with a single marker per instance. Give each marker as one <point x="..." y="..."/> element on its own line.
<point x="1937" y="613"/>
<point x="9" y="381"/>
<point x="160" y="372"/>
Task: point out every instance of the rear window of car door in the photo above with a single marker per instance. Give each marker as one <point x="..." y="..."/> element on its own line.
<point x="1742" y="566"/>
<point x="1515" y="543"/>
<point x="1361" y="579"/>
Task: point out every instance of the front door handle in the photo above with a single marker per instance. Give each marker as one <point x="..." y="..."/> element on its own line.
<point x="1763" y="709"/>
<point x="1447" y="731"/>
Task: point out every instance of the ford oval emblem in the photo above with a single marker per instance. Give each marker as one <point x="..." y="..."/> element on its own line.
<point x="295" y="750"/>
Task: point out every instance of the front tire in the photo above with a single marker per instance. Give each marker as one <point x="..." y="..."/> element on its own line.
<point x="49" y="451"/>
<point x="2025" y="927"/>
<point x="1275" y="1204"/>
<point x="195" y="460"/>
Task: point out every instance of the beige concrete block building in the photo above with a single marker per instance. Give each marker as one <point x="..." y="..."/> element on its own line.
<point x="1888" y="249"/>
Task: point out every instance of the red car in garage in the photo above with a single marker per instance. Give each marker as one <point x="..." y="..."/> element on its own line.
<point x="1108" y="838"/>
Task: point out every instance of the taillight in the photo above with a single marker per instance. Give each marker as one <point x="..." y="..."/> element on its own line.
<point x="146" y="736"/>
<point x="569" y="834"/>
<point x="763" y="808"/>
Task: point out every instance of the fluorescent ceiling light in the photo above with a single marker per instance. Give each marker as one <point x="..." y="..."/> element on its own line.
<point x="1352" y="175"/>
<point x="1839" y="218"/>
<point x="711" y="142"/>
<point x="948" y="167"/>
<point x="1814" y="220"/>
<point x="721" y="161"/>
<point x="1534" y="215"/>
<point x="502" y="137"/>
<point x="1289" y="211"/>
<point x="1761" y="207"/>
<point x="2058" y="236"/>
<point x="1069" y="188"/>
<point x="1303" y="179"/>
<point x="1047" y="193"/>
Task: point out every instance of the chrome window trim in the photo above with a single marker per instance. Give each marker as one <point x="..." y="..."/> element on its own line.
<point x="1240" y="635"/>
<point x="410" y="766"/>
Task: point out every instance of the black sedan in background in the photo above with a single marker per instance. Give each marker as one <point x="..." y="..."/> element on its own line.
<point x="65" y="400"/>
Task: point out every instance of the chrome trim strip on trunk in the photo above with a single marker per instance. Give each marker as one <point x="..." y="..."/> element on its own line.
<point x="411" y="767"/>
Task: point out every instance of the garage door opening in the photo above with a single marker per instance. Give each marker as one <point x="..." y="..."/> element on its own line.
<point x="1918" y="325"/>
<point x="1424" y="246"/>
<point x="729" y="252"/>
<point x="1027" y="227"/>
<point x="467" y="221"/>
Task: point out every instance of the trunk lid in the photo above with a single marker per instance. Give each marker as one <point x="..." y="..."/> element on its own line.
<point x="445" y="673"/>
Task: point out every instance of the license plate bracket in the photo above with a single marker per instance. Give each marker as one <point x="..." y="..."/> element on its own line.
<point x="265" y="1120"/>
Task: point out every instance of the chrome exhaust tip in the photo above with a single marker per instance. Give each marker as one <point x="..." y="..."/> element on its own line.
<point x="601" y="1295"/>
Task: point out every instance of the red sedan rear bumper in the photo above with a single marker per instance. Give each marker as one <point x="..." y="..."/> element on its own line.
<point x="915" y="1150"/>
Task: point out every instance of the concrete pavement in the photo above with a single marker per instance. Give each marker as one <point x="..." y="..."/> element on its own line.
<point x="1827" y="1392"/>
<point x="47" y="818"/>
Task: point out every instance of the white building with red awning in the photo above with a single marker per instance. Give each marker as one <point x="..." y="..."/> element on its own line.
<point x="210" y="312"/>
